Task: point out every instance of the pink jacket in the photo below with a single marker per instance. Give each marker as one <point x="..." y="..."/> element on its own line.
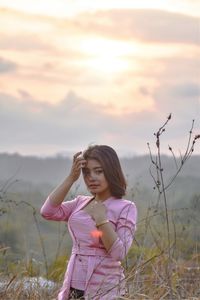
<point x="104" y="276"/>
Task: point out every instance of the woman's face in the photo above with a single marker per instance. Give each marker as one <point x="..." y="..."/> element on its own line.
<point x="95" y="180"/>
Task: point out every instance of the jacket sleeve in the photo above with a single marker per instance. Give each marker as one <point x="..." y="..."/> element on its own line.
<point x="126" y="226"/>
<point x="60" y="212"/>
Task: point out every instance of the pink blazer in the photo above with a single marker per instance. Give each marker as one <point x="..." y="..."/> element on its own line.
<point x="104" y="276"/>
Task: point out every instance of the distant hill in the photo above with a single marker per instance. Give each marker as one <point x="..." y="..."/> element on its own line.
<point x="45" y="173"/>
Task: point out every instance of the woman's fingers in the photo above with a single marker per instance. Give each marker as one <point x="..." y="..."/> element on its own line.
<point x="76" y="155"/>
<point x="78" y="160"/>
<point x="80" y="163"/>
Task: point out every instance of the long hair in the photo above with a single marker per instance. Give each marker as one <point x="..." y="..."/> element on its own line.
<point x="109" y="161"/>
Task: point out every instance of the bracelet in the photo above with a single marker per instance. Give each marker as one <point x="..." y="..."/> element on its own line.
<point x="102" y="223"/>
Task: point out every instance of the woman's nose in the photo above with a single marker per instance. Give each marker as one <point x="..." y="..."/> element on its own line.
<point x="92" y="176"/>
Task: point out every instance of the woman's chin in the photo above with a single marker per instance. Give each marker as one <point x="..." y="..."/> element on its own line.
<point x="93" y="194"/>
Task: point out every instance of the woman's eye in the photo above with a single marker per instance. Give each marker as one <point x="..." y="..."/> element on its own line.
<point x="88" y="173"/>
<point x="99" y="171"/>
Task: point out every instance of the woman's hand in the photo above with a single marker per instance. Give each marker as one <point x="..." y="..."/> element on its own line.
<point x="58" y="195"/>
<point x="78" y="163"/>
<point x="97" y="211"/>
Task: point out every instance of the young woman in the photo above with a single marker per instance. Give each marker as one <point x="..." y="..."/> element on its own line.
<point x="101" y="225"/>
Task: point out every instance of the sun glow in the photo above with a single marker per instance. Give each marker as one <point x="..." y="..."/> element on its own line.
<point x="106" y="56"/>
<point x="107" y="64"/>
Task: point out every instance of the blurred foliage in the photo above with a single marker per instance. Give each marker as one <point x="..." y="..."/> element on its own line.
<point x="57" y="268"/>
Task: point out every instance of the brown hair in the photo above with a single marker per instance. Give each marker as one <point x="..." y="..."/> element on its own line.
<point x="110" y="163"/>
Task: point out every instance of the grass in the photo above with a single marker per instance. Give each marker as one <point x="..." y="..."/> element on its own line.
<point x="146" y="280"/>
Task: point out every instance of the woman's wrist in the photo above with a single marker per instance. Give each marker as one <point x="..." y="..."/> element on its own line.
<point x="105" y="221"/>
<point x="70" y="180"/>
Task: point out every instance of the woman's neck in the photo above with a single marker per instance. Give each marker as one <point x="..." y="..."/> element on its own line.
<point x="102" y="197"/>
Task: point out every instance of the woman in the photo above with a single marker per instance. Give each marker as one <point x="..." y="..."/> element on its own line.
<point x="101" y="225"/>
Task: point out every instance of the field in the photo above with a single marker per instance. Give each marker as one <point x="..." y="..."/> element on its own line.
<point x="164" y="260"/>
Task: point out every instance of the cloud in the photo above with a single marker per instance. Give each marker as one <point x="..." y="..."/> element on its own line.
<point x="187" y="90"/>
<point x="179" y="98"/>
<point x="177" y="88"/>
<point x="7" y="66"/>
<point x="74" y="117"/>
<point x="145" y="25"/>
<point x="75" y="123"/>
<point x="181" y="67"/>
<point x="23" y="42"/>
<point x="142" y="24"/>
<point x="30" y="32"/>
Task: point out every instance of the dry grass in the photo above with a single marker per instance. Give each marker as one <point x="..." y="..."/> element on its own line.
<point x="148" y="282"/>
<point x="16" y="288"/>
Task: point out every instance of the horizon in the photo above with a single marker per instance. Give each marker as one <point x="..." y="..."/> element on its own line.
<point x="69" y="156"/>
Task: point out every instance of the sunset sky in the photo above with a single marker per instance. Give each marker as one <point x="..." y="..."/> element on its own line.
<point x="80" y="72"/>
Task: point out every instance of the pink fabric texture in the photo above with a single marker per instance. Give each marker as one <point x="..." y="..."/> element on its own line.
<point x="91" y="268"/>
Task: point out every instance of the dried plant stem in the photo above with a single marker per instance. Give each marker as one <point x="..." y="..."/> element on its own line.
<point x="162" y="187"/>
<point x="168" y="267"/>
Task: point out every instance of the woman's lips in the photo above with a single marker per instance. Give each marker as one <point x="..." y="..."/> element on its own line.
<point x="93" y="186"/>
